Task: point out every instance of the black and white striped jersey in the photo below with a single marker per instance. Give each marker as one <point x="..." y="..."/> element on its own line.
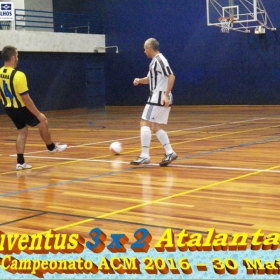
<point x="159" y="70"/>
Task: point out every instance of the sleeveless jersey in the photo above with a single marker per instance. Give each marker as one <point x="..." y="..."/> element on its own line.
<point x="13" y="84"/>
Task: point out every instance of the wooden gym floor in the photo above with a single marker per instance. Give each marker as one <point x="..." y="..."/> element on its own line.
<point x="226" y="176"/>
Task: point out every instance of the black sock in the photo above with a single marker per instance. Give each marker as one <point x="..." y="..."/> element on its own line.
<point x="51" y="146"/>
<point x="20" y="159"/>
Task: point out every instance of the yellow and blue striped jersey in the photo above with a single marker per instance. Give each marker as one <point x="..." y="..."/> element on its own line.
<point x="13" y="84"/>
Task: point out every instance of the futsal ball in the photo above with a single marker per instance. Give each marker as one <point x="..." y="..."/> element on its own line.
<point x="116" y="148"/>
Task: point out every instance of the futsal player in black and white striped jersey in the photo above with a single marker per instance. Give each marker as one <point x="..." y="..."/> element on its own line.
<point x="156" y="112"/>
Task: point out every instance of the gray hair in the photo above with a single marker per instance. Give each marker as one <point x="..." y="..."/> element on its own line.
<point x="153" y="43"/>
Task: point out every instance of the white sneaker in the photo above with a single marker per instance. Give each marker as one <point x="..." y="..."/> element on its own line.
<point x="23" y="166"/>
<point x="59" y="148"/>
<point x="140" y="160"/>
<point x="23" y="172"/>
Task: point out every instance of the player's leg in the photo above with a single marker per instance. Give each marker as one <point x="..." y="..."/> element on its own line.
<point x="162" y="118"/>
<point x="15" y="114"/>
<point x="20" y="146"/>
<point x="44" y="131"/>
<point x="145" y="136"/>
<point x="21" y="140"/>
<point x="162" y="137"/>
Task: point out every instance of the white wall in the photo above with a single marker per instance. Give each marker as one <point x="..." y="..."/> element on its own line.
<point x="40" y="41"/>
<point x="41" y="5"/>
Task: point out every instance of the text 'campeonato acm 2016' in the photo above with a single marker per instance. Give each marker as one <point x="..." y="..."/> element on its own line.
<point x="53" y="242"/>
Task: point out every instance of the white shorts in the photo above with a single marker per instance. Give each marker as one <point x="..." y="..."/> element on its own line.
<point x="157" y="114"/>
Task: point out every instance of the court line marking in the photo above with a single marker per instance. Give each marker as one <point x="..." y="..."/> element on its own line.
<point x="225" y="134"/>
<point x="218" y="182"/>
<point x="127" y="138"/>
<point x="112" y="173"/>
<point x="167" y="197"/>
<point x="170" y="165"/>
<point x="107" y="220"/>
<point x="24" y="218"/>
<point x="247" y="144"/>
<point x="159" y="200"/>
<point x="156" y="147"/>
<point x="173" y="131"/>
<point x="253" y="119"/>
<point x="69" y="181"/>
<point x="182" y="142"/>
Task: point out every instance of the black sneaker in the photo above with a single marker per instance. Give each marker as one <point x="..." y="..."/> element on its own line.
<point x="168" y="159"/>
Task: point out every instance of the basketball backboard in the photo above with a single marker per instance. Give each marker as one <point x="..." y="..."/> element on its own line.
<point x="246" y="14"/>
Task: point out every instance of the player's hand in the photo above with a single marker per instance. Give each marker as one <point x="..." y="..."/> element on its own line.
<point x="136" y="81"/>
<point x="166" y="101"/>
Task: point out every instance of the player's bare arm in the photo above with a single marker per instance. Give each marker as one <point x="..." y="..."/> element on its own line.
<point x="138" y="81"/>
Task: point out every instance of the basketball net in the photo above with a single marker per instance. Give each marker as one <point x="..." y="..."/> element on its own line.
<point x="226" y="23"/>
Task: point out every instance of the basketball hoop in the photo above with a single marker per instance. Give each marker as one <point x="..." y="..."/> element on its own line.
<point x="226" y="23"/>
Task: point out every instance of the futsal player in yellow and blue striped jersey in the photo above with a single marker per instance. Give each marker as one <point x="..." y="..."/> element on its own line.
<point x="20" y="107"/>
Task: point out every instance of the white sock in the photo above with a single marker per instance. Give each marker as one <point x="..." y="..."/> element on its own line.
<point x="164" y="140"/>
<point x="146" y="137"/>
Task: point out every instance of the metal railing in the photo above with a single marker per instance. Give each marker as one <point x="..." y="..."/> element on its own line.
<point x="58" y="21"/>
